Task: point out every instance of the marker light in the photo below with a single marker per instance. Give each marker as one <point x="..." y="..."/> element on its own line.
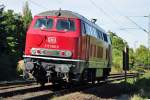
<point x="33" y="51"/>
<point x="62" y="53"/>
<point x="68" y="53"/>
<point x="65" y="53"/>
<point x="38" y="51"/>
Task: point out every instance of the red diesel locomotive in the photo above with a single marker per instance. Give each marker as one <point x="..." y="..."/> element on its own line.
<point x="64" y="46"/>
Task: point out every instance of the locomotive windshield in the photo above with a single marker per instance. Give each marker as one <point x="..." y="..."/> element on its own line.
<point x="44" y="23"/>
<point x="66" y="25"/>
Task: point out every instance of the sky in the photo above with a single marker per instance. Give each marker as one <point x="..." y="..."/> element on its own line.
<point x="110" y="14"/>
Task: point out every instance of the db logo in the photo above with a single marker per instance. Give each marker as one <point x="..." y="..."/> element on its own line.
<point x="52" y="40"/>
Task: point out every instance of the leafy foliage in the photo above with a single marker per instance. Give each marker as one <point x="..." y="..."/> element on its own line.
<point x="118" y="45"/>
<point x="131" y="58"/>
<point x="13" y="31"/>
<point x="27" y="15"/>
<point x="137" y="58"/>
<point x="13" y="27"/>
<point x="142" y="55"/>
<point x="2" y="32"/>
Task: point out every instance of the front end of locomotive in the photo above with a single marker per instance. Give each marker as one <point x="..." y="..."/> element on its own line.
<point x="51" y="49"/>
<point x="50" y="69"/>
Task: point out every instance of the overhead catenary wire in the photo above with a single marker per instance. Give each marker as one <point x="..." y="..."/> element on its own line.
<point x="139" y="26"/>
<point x="119" y="14"/>
<point x="103" y="11"/>
<point x="42" y="6"/>
<point x="135" y="16"/>
<point x="127" y="17"/>
<point x="136" y="24"/>
<point x="128" y="28"/>
<point x="110" y="4"/>
<point x="38" y="5"/>
<point x="99" y="8"/>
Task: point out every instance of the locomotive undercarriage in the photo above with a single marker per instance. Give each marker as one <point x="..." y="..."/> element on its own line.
<point x="51" y="71"/>
<point x="59" y="72"/>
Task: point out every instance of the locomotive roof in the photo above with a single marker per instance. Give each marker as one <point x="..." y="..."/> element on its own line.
<point x="64" y="13"/>
<point x="68" y="14"/>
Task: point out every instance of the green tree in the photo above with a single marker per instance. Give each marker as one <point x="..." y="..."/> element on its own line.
<point x="142" y="54"/>
<point x="2" y="31"/>
<point x="13" y="26"/>
<point x="117" y="42"/>
<point x="118" y="45"/>
<point x="27" y="15"/>
<point x="131" y="58"/>
<point x="13" y="31"/>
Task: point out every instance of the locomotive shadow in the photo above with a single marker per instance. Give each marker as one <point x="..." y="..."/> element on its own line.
<point x="115" y="90"/>
<point x="106" y="91"/>
<point x="111" y="90"/>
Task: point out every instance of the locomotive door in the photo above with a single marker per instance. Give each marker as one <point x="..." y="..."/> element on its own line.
<point x="84" y="47"/>
<point x="87" y="47"/>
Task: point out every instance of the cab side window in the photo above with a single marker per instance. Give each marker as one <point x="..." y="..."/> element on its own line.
<point x="105" y="37"/>
<point x="83" y="31"/>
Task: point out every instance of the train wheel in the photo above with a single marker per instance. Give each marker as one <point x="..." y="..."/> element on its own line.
<point x="84" y="77"/>
<point x="105" y="73"/>
<point x="91" y="76"/>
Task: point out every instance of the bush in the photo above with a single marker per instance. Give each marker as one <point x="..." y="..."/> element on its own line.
<point x="137" y="97"/>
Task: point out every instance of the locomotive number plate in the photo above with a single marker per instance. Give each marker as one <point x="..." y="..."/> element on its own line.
<point x="51" y="46"/>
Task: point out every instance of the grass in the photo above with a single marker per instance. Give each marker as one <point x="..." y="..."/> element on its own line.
<point x="139" y="86"/>
<point x="142" y="84"/>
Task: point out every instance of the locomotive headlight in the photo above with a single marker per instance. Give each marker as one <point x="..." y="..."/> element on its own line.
<point x="33" y="51"/>
<point x="38" y="51"/>
<point x="68" y="53"/>
<point x="62" y="53"/>
<point x="65" y="53"/>
<point x="29" y="66"/>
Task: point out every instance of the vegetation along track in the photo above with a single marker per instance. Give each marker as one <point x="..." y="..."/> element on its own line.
<point x="34" y="91"/>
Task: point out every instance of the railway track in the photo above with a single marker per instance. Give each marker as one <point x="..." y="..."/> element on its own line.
<point x="16" y="83"/>
<point x="34" y="91"/>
